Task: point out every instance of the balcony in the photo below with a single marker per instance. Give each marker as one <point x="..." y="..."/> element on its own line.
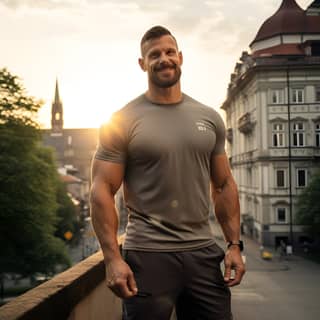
<point x="245" y="123"/>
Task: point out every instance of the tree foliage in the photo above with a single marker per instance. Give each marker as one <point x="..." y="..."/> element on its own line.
<point x="28" y="187"/>
<point x="15" y="105"/>
<point x="308" y="206"/>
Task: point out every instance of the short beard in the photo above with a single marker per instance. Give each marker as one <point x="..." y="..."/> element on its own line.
<point x="165" y="83"/>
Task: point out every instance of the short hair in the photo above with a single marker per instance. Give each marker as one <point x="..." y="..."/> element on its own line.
<point x="155" y="32"/>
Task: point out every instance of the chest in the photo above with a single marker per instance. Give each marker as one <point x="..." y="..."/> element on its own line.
<point x="159" y="134"/>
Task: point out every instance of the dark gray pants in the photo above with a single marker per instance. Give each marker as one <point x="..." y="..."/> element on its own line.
<point x="191" y="281"/>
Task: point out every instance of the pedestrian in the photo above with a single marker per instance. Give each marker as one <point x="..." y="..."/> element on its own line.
<point x="167" y="148"/>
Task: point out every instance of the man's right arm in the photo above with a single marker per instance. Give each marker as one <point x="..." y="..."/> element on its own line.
<point x="106" y="180"/>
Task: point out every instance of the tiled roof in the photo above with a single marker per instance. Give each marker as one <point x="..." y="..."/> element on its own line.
<point x="315" y="4"/>
<point x="289" y="19"/>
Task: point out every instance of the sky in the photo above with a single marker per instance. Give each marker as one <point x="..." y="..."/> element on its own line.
<point x="92" y="48"/>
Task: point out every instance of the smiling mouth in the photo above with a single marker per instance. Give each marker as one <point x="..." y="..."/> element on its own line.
<point x="167" y="68"/>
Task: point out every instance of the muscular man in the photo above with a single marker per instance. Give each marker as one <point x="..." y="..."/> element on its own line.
<point x="167" y="149"/>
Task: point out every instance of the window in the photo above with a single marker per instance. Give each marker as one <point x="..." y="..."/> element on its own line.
<point x="315" y="49"/>
<point x="317" y="94"/>
<point x="280" y="176"/>
<point x="249" y="177"/>
<point x="69" y="140"/>
<point x="318" y="134"/>
<point x="281" y="215"/>
<point x="278" y="135"/>
<point x="297" y="96"/>
<point x="298" y="134"/>
<point x="301" y="178"/>
<point x="57" y="116"/>
<point x="276" y="96"/>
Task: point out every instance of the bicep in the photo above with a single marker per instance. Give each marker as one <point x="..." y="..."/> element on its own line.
<point x="220" y="170"/>
<point x="107" y="174"/>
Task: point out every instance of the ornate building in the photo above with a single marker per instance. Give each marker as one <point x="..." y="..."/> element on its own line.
<point x="74" y="148"/>
<point x="273" y="122"/>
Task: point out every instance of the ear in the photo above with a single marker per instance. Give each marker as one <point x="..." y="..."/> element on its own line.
<point x="141" y="63"/>
<point x="180" y="57"/>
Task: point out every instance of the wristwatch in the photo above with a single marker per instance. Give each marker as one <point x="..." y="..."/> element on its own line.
<point x="235" y="243"/>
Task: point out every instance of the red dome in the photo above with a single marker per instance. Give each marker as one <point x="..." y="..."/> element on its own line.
<point x="289" y="19"/>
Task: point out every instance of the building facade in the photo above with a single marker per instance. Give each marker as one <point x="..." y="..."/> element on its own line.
<point x="273" y="122"/>
<point x="74" y="148"/>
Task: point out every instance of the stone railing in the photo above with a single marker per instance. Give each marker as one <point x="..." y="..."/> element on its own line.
<point x="80" y="293"/>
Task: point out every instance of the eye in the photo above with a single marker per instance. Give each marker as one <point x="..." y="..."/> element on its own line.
<point x="171" y="52"/>
<point x="154" y="55"/>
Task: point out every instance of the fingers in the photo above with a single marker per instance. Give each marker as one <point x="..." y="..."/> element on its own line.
<point x="239" y="272"/>
<point x="120" y="279"/>
<point x="132" y="286"/>
<point x="233" y="261"/>
<point x="121" y="288"/>
<point x="227" y="271"/>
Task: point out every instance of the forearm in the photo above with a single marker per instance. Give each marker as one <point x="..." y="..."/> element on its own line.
<point x="227" y="209"/>
<point x="105" y="221"/>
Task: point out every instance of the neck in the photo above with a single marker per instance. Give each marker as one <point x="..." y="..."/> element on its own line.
<point x="164" y="95"/>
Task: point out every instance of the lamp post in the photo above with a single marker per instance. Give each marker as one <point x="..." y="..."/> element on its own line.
<point x="82" y="243"/>
<point x="289" y="159"/>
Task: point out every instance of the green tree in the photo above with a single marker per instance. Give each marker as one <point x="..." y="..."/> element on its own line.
<point x="28" y="187"/>
<point x="308" y="206"/>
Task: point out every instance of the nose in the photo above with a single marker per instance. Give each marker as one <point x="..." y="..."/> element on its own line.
<point x="163" y="58"/>
<point x="162" y="62"/>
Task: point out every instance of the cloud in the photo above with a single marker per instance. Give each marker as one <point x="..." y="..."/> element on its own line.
<point x="222" y="26"/>
<point x="39" y="4"/>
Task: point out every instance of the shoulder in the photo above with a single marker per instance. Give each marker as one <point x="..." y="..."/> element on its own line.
<point x="125" y="115"/>
<point x="133" y="106"/>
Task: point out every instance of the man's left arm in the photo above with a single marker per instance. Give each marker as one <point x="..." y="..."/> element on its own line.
<point x="227" y="209"/>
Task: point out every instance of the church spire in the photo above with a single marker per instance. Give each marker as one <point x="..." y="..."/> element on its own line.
<point x="56" y="96"/>
<point x="57" y="112"/>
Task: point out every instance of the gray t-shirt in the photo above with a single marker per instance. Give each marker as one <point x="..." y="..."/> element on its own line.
<point x="166" y="150"/>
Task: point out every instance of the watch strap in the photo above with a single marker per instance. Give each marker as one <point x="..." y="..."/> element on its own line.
<point x="235" y="243"/>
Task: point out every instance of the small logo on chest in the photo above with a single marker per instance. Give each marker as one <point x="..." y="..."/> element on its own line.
<point x="201" y="126"/>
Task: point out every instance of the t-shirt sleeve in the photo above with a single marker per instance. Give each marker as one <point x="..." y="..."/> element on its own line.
<point x="220" y="135"/>
<point x="112" y="144"/>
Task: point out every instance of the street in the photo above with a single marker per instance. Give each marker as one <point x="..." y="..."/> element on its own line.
<point x="87" y="246"/>
<point x="286" y="289"/>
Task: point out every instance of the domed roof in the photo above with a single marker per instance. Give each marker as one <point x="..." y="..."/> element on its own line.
<point x="315" y="4"/>
<point x="288" y="19"/>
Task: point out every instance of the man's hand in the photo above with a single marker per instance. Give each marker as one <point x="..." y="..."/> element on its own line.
<point x="233" y="261"/>
<point x="120" y="279"/>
